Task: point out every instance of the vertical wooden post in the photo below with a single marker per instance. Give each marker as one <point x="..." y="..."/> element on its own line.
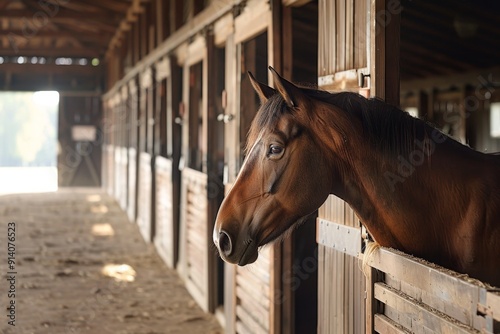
<point x="288" y="300"/>
<point x="372" y="305"/>
<point x="385" y="18"/>
<point x="275" y="34"/>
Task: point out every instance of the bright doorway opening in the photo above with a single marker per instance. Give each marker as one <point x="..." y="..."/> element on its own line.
<point x="28" y="141"/>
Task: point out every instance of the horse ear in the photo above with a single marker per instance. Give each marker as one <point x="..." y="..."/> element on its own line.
<point x="290" y="93"/>
<point x="264" y="91"/>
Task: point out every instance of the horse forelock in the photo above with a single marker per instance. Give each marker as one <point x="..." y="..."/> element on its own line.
<point x="266" y="118"/>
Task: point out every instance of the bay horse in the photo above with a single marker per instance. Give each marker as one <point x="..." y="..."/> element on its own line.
<point x="414" y="188"/>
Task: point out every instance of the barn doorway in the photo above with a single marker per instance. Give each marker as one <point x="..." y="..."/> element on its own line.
<point x="28" y="141"/>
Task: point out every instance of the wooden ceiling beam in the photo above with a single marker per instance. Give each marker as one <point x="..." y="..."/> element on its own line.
<point x="59" y="43"/>
<point x="132" y="16"/>
<point x="53" y="52"/>
<point x="100" y="39"/>
<point x="51" y="68"/>
<point x="73" y="5"/>
<point x="116" y="6"/>
<point x="23" y="14"/>
<point x="88" y="25"/>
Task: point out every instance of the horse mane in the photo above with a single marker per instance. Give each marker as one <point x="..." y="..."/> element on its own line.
<point x="388" y="129"/>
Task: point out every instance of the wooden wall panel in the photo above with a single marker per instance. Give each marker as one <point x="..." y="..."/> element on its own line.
<point x="117" y="172"/>
<point x="144" y="197"/>
<point x="343" y="35"/>
<point x="341" y="287"/>
<point x="111" y="168"/>
<point x="341" y="305"/>
<point x="196" y="257"/>
<point x="254" y="295"/>
<point x="165" y="239"/>
<point x="123" y="181"/>
<point x="132" y="184"/>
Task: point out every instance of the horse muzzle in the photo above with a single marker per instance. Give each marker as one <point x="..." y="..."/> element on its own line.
<point x="232" y="250"/>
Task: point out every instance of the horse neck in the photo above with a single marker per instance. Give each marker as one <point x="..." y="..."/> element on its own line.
<point x="401" y="200"/>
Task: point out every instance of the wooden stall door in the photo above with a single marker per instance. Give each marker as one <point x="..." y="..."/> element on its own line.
<point x="120" y="151"/>
<point x="251" y="298"/>
<point x="343" y="64"/>
<point x="80" y="141"/>
<point x="197" y="260"/>
<point x="124" y="120"/>
<point x="299" y="278"/>
<point x="105" y="139"/>
<point x="169" y="82"/>
<point x="133" y="133"/>
<point x="217" y="102"/>
<point x="145" y="184"/>
<point x="358" y="51"/>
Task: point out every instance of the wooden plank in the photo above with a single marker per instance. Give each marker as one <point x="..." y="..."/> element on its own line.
<point x="489" y="308"/>
<point x="341" y="81"/>
<point x="249" y="321"/>
<point x="132" y="183"/>
<point x="423" y="318"/>
<point x="360" y="34"/>
<point x="197" y="51"/>
<point x="445" y="291"/>
<point x="372" y="306"/>
<point x="255" y="19"/>
<point x="493" y="304"/>
<point x="259" y="313"/>
<point x="340" y="30"/>
<point x="165" y="237"/>
<point x="349" y="34"/>
<point x="392" y="54"/>
<point x="385" y="325"/>
<point x="144" y="200"/>
<point x="240" y="326"/>
<point x="196" y="237"/>
<point x="162" y="68"/>
<point x="223" y="27"/>
<point x="321" y="306"/>
<point x="255" y="288"/>
<point x="377" y="50"/>
<point x="198" y="295"/>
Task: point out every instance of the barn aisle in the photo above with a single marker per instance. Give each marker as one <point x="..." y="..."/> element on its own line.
<point x="81" y="267"/>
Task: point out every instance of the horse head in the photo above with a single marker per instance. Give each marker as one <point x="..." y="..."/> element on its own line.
<point x="284" y="177"/>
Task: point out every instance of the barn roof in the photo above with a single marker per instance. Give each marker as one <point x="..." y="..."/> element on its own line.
<point x="437" y="38"/>
<point x="56" y="28"/>
<point x="79" y="33"/>
<point x="441" y="38"/>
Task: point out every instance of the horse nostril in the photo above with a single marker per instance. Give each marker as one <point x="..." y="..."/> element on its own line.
<point x="225" y="243"/>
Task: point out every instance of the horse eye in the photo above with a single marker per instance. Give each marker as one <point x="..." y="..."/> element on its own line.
<point x="274" y="150"/>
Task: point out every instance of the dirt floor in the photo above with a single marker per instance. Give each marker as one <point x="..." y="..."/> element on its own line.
<point x="61" y="246"/>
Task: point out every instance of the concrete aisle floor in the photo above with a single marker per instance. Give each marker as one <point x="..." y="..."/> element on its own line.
<point x="66" y="244"/>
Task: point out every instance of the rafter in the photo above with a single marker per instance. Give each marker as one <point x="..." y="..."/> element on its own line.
<point x="98" y="39"/>
<point x="51" y="68"/>
<point x="117" y="6"/>
<point x="21" y="14"/>
<point x="53" y="52"/>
